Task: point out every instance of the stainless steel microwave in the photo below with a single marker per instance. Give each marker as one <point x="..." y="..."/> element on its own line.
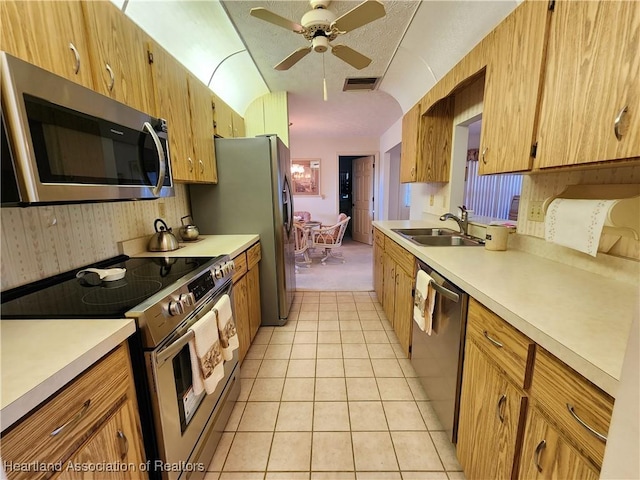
<point x="67" y="143"/>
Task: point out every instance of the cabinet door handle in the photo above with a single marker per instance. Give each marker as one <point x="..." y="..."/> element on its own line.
<point x="112" y="78"/>
<point x="73" y="48"/>
<point x="75" y="419"/>
<point x="495" y="342"/>
<point x="618" y="120"/>
<point x="593" y="432"/>
<point x="484" y="152"/>
<point x="123" y="443"/>
<point x="501" y="400"/>
<point x="190" y="164"/>
<point x="201" y="166"/>
<point x="536" y="456"/>
<point x="413" y="172"/>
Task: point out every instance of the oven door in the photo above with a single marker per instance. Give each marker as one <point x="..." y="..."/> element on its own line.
<point x="187" y="425"/>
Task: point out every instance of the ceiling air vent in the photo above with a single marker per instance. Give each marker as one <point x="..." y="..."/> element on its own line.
<point x="360" y="84"/>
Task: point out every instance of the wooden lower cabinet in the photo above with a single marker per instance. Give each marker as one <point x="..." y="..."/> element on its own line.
<point x="113" y="445"/>
<point x="241" y="308"/>
<point x="388" y="287"/>
<point x="491" y="408"/>
<point x="523" y="412"/>
<point x="394" y="279"/>
<point x="93" y="420"/>
<point x="378" y="264"/>
<point x="253" y="294"/>
<point x="403" y="311"/>
<point x="246" y="297"/>
<point x="546" y="453"/>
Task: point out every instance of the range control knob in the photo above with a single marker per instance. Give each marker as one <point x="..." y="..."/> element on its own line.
<point x="187" y="299"/>
<point x="232" y="265"/>
<point x="218" y="273"/>
<point x="175" y="308"/>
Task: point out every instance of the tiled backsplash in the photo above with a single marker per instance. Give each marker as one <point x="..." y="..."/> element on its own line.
<point x="38" y="242"/>
<point x="542" y="186"/>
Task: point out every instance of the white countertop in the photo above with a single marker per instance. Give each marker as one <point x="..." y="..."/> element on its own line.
<point x="204" y="246"/>
<point x="39" y="357"/>
<point x="580" y="317"/>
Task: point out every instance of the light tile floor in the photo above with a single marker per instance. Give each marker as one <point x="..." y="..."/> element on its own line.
<point x="331" y="396"/>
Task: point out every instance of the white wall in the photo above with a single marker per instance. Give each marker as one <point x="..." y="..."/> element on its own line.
<point x="325" y="207"/>
<point x="389" y="140"/>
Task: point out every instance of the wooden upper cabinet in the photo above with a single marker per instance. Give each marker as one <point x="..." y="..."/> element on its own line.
<point x="512" y="88"/>
<point x="238" y="125"/>
<point x="201" y="108"/>
<point x="410" y="146"/>
<point x="223" y="119"/>
<point x="119" y="55"/>
<point x="436" y="135"/>
<point x="47" y="34"/>
<point x="172" y="103"/>
<point x="592" y="75"/>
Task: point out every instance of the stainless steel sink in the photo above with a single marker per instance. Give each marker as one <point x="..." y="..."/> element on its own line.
<point x="445" y="241"/>
<point x="411" y="232"/>
<point x="437" y="237"/>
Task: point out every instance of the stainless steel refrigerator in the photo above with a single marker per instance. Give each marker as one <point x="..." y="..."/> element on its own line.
<point x="253" y="195"/>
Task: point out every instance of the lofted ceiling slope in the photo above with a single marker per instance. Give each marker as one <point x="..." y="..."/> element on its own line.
<point x="411" y="48"/>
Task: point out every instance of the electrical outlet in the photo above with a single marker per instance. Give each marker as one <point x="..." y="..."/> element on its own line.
<point x="431" y="200"/>
<point x="536" y="213"/>
<point x="162" y="209"/>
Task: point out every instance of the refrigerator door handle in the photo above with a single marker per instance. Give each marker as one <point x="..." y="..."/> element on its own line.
<point x="287" y="205"/>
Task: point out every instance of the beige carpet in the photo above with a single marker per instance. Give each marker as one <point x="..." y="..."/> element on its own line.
<point x="355" y="275"/>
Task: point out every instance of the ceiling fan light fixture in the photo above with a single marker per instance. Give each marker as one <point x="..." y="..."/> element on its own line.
<point x="320" y="44"/>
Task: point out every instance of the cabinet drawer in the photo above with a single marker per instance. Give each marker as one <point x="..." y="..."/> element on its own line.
<point x="404" y="259"/>
<point x="590" y="404"/>
<point x="75" y="412"/>
<point x="253" y="255"/>
<point x="240" y="266"/>
<point x="507" y="347"/>
<point x="378" y="237"/>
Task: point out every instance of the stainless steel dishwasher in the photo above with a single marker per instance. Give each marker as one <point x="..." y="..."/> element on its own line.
<point x="438" y="358"/>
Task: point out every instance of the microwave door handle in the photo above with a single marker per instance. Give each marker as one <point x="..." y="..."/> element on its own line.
<point x="161" y="158"/>
<point x="453" y="296"/>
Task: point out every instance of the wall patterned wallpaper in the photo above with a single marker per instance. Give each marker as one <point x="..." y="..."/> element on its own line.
<point x="542" y="186"/>
<point x="38" y="242"/>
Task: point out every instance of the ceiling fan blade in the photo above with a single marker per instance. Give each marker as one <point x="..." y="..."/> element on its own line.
<point x="269" y="16"/>
<point x="366" y="12"/>
<point x="292" y="59"/>
<point x="349" y="55"/>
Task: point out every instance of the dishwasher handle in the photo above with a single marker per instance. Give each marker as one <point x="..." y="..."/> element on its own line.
<point x="445" y="292"/>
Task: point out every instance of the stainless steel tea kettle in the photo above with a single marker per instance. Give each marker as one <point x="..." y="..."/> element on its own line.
<point x="188" y="232"/>
<point x="163" y="240"/>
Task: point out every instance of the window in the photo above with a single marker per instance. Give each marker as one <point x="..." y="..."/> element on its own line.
<point x="490" y="195"/>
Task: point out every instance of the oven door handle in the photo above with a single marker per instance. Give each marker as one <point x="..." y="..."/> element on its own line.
<point x="172" y="349"/>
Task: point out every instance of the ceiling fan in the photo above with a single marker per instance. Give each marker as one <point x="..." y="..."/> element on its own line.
<point x="321" y="26"/>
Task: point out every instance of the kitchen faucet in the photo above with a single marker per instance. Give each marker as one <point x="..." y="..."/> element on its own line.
<point x="462" y="220"/>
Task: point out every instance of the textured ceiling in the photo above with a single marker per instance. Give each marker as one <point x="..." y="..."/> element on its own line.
<point x="345" y="113"/>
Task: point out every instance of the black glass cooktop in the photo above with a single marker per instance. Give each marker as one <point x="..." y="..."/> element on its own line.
<point x="65" y="296"/>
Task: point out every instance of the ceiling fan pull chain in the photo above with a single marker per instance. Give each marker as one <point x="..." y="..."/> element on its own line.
<point x="324" y="80"/>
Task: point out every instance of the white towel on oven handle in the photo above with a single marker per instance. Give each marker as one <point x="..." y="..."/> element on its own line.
<point x="424" y="302"/>
<point x="226" y="327"/>
<point x="207" y="364"/>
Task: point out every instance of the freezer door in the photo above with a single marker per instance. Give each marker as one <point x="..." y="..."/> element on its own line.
<point x="284" y="227"/>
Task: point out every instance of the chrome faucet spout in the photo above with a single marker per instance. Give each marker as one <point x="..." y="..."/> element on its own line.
<point x="462" y="221"/>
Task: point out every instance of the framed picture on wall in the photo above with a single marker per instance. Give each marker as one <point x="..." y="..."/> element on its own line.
<point x="305" y="176"/>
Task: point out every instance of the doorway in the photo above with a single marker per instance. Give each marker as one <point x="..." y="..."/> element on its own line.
<point x="355" y="195"/>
